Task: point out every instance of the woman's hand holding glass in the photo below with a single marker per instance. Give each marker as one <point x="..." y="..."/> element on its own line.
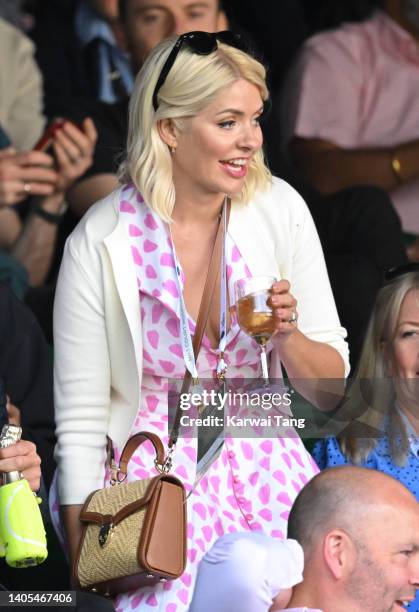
<point x="265" y="307"/>
<point x="284" y="309"/>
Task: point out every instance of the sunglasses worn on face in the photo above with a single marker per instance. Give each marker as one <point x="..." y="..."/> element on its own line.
<point x="201" y="43"/>
<point x="396" y="271"/>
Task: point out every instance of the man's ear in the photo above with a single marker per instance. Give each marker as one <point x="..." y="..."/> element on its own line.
<point x="167" y="132"/>
<point x="340" y="554"/>
<point x="222" y="22"/>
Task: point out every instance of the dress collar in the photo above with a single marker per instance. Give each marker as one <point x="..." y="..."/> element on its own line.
<point x="152" y="253"/>
<point x="151" y="249"/>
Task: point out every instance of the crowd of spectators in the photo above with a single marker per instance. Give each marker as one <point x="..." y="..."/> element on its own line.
<point x="342" y="129"/>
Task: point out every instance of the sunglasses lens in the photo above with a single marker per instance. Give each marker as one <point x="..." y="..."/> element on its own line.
<point x="202" y="43"/>
<point x="232" y="39"/>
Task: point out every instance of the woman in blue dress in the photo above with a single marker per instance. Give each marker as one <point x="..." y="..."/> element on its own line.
<point x="383" y="401"/>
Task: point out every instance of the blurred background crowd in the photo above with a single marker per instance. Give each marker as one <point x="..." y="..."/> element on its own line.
<point x="342" y="128"/>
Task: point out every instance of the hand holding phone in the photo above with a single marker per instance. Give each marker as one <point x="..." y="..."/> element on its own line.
<point x="72" y="147"/>
<point x="45" y="142"/>
<point x="24" y="174"/>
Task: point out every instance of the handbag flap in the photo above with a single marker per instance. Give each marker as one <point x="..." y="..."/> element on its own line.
<point x="113" y="504"/>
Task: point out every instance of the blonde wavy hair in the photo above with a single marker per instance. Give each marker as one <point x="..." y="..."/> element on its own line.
<point x="192" y="83"/>
<point x="374" y="387"/>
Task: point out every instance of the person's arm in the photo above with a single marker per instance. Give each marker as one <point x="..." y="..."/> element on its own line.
<point x="34" y="248"/>
<point x="32" y="243"/>
<point x="305" y="358"/>
<point x="313" y="348"/>
<point x="306" y="361"/>
<point x="20" y="174"/>
<point x="70" y="516"/>
<point x="324" y="112"/>
<point x="329" y="168"/>
<point x="82" y="379"/>
<point x="89" y="190"/>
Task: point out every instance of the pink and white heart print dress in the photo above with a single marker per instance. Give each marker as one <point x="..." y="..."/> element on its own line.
<point x="252" y="484"/>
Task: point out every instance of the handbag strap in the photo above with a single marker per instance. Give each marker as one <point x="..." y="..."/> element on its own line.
<point x="164" y="463"/>
<point x="132" y="444"/>
<point x="202" y="320"/>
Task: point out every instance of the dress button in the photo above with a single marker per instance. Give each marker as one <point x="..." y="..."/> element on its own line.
<point x="236" y="479"/>
<point x="231" y="454"/>
<point x="249" y="517"/>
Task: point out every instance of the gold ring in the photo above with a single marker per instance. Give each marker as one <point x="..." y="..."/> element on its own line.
<point x="293" y="318"/>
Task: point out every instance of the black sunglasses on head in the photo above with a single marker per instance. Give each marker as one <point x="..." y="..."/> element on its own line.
<point x="201" y="43"/>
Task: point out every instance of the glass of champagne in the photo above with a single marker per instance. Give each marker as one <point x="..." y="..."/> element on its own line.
<point x="254" y="315"/>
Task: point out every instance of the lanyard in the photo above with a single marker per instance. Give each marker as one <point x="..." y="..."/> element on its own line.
<point x="185" y="334"/>
<point x="222" y="366"/>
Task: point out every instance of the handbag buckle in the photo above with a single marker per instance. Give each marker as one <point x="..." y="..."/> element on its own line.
<point x="166" y="466"/>
<point x="115" y="472"/>
<point x="105" y="534"/>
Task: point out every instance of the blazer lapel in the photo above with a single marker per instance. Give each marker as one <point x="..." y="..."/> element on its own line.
<point x="118" y="247"/>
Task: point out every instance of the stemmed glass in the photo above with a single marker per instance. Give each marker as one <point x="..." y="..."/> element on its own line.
<point x="254" y="315"/>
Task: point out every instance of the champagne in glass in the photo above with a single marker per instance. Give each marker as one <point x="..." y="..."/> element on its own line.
<point x="254" y="315"/>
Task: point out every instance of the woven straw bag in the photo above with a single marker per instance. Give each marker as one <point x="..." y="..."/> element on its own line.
<point x="133" y="534"/>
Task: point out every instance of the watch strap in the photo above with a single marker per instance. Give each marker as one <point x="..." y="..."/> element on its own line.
<point x="54" y="218"/>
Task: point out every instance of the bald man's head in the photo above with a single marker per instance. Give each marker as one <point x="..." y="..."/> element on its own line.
<point x="342" y="497"/>
<point x="359" y="529"/>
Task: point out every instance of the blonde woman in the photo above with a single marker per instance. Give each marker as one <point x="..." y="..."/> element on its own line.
<point x="385" y="395"/>
<point x="194" y="137"/>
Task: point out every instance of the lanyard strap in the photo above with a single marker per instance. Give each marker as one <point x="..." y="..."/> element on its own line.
<point x="204" y="310"/>
<point x="222" y="366"/>
<point x="185" y="334"/>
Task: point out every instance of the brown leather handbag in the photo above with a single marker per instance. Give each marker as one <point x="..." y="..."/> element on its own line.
<point x="134" y="534"/>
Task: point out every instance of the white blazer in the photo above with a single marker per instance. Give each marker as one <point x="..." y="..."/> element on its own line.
<point x="97" y="324"/>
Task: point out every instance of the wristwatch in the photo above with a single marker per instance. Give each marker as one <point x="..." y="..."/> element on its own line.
<point x="54" y="218"/>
